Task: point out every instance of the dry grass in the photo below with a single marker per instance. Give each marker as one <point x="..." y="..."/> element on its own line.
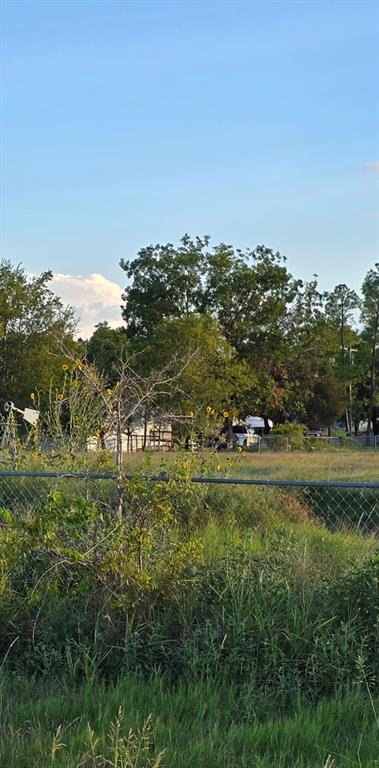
<point x="325" y="465"/>
<point x="317" y="466"/>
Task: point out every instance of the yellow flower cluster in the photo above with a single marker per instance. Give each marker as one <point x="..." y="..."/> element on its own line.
<point x="211" y="412"/>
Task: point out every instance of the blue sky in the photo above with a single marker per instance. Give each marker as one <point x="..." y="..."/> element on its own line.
<point x="127" y="123"/>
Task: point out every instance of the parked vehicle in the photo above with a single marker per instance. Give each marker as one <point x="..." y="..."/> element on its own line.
<point x="259" y="425"/>
<point x="314" y="432"/>
<point x="243" y="436"/>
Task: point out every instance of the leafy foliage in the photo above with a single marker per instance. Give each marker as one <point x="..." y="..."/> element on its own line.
<point x="33" y="324"/>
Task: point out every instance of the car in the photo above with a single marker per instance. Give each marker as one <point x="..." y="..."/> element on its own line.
<point x="243" y="437"/>
<point x="314" y="433"/>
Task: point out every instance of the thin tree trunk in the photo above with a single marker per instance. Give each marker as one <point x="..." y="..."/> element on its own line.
<point x="144" y="432"/>
<point x="119" y="498"/>
<point x="373" y="372"/>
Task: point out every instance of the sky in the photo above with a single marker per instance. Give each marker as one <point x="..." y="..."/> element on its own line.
<point x="129" y="123"/>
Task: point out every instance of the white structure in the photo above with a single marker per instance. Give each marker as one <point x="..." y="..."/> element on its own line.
<point x="150" y="437"/>
<point x="256" y="422"/>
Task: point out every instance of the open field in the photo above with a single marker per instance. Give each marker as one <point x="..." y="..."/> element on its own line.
<point x="346" y="465"/>
<point x="299" y="465"/>
<point x="240" y="618"/>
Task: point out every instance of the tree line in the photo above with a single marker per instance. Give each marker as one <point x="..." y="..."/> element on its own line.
<point x="256" y="339"/>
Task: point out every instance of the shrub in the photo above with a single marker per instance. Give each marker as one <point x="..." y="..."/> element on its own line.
<point x="289" y="434"/>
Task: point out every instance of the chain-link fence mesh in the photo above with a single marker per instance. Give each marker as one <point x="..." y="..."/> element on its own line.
<point x="23" y="491"/>
<point x="338" y="505"/>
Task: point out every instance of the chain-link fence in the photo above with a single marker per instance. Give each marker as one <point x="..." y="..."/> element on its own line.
<point x="338" y="505"/>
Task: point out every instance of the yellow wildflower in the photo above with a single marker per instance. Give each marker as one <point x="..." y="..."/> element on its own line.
<point x="218" y="467"/>
<point x="225" y="414"/>
<point x="65" y="367"/>
<point x="109" y="392"/>
<point x="79" y="364"/>
<point x="209" y="409"/>
<point x="60" y="396"/>
<point x="190" y="415"/>
<point x="32" y="396"/>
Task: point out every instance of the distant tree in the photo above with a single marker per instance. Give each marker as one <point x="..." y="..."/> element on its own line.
<point x="33" y="324"/>
<point x="370" y="335"/>
<point x="287" y="334"/>
<point x="339" y="306"/>
<point x="327" y="399"/>
<point x="307" y="348"/>
<point x="106" y="349"/>
<point x="166" y="282"/>
<point x="249" y="293"/>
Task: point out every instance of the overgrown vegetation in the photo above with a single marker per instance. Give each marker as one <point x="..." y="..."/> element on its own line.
<point x="239" y="595"/>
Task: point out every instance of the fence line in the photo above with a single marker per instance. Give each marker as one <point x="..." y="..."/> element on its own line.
<point x="207" y="479"/>
<point x="339" y="504"/>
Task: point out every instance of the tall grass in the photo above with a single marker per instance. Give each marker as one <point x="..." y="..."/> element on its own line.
<point x="236" y="617"/>
<point x="197" y="725"/>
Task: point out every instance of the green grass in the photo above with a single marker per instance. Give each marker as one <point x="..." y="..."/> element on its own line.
<point x="202" y="725"/>
<point x="248" y="631"/>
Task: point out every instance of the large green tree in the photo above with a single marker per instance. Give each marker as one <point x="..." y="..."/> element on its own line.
<point x="293" y="340"/>
<point x="212" y="374"/>
<point x="165" y="282"/>
<point x="33" y="325"/>
<point x="248" y="293"/>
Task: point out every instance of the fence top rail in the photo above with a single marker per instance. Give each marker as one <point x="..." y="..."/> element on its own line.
<point x="210" y="480"/>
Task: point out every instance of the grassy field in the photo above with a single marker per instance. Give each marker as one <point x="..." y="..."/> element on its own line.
<point x="299" y="465"/>
<point x="318" y="466"/>
<point x="239" y="618"/>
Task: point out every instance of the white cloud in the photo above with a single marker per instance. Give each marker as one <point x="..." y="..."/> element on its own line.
<point x="368" y="215"/>
<point x="94" y="297"/>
